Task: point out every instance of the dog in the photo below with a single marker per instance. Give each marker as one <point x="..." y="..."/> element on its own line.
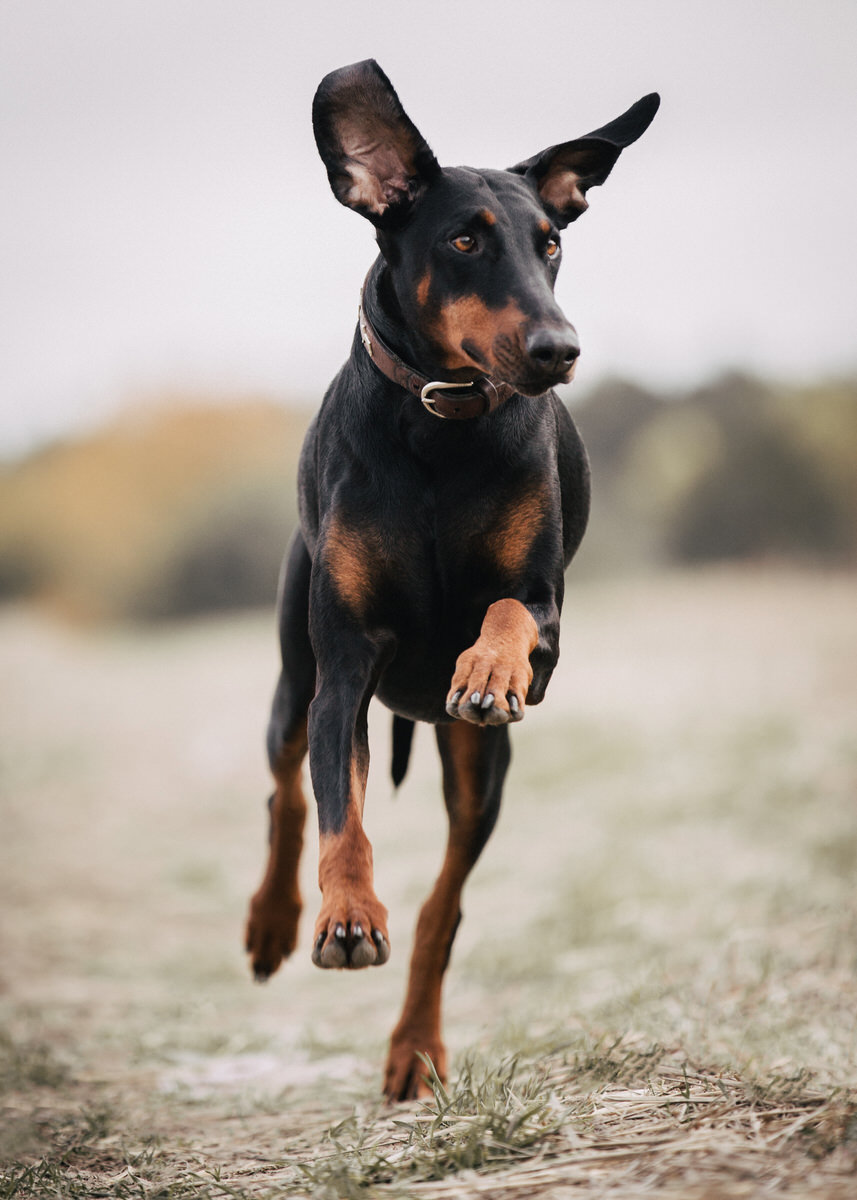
<point x="443" y="489"/>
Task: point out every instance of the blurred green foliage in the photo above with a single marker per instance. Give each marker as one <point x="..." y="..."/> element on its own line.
<point x="737" y="470"/>
<point x="188" y="507"/>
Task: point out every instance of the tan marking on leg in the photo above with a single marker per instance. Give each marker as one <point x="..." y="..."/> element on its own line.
<point x="498" y="664"/>
<point x="419" y="1028"/>
<point x="351" y="930"/>
<point x="272" y="924"/>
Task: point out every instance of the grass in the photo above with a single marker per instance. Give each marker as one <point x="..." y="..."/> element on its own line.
<point x="494" y="1115"/>
<point x="508" y="1124"/>
<point x="527" y="1125"/>
<point x="653" y="990"/>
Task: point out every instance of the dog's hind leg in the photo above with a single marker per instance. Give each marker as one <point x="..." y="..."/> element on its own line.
<point x="275" y="908"/>
<point x="474" y="764"/>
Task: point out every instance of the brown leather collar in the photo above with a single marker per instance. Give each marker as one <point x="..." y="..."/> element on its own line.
<point x="450" y="401"/>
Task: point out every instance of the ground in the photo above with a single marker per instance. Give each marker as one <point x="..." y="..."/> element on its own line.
<point x="654" y="988"/>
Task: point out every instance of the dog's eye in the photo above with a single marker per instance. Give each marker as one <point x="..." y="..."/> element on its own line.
<point x="552" y="248"/>
<point x="464" y="243"/>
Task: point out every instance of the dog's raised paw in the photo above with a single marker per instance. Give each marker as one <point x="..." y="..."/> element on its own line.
<point x="492" y="708"/>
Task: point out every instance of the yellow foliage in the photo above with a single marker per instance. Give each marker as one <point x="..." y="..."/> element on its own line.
<point x="91" y="521"/>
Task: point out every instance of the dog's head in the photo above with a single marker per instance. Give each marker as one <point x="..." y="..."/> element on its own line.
<point x="473" y="255"/>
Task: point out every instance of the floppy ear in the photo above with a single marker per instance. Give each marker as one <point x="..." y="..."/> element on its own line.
<point x="378" y="162"/>
<point x="563" y="174"/>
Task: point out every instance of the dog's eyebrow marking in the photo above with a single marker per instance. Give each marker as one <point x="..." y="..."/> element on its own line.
<point x="545" y="226"/>
<point x="488" y="217"/>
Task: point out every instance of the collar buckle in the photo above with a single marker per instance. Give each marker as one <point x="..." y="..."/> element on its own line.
<point x="438" y="385"/>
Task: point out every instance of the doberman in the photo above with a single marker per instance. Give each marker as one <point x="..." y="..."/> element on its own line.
<point x="428" y="566"/>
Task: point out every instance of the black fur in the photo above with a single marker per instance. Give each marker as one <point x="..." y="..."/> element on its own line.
<point x="411" y="527"/>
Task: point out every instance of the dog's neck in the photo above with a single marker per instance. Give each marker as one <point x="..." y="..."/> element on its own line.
<point x="458" y="395"/>
<point x="382" y="308"/>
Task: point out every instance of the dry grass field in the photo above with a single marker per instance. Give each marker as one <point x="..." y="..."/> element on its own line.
<point x="654" y="991"/>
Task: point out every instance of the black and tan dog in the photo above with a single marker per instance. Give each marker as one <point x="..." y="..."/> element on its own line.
<point x="443" y="490"/>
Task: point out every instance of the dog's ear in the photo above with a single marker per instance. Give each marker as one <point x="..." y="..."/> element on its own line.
<point x="563" y="174"/>
<point x="378" y="162"/>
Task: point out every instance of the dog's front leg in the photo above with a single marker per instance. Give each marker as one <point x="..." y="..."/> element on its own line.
<point x="508" y="665"/>
<point x="351" y="930"/>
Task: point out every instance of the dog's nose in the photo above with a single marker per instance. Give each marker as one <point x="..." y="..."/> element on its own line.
<point x="554" y="350"/>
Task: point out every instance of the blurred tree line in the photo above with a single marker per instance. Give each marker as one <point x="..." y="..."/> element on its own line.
<point x="736" y="470"/>
<point x="188" y="509"/>
<point x="182" y="509"/>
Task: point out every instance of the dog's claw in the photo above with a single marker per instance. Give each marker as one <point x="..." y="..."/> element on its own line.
<point x="350" y="947"/>
<point x="382" y="946"/>
<point x="483" y="709"/>
<point x="317" y="948"/>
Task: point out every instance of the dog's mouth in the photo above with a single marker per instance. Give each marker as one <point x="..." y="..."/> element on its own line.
<point x="533" y="383"/>
<point x="532" y="365"/>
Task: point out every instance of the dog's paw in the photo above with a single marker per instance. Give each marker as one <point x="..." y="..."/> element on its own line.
<point x="486" y="690"/>
<point x="493" y="676"/>
<point x="407" y="1076"/>
<point x="351" y="934"/>
<point x="271" y="934"/>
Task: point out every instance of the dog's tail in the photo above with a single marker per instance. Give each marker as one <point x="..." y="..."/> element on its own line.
<point x="403" y="735"/>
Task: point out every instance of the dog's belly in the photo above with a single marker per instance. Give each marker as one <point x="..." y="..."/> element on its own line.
<point x="416" y="682"/>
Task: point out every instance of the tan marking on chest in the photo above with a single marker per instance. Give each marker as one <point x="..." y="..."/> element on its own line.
<point x="353" y="557"/>
<point x="510" y="540"/>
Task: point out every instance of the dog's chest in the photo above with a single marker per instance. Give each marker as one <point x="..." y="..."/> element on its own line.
<point x="434" y="550"/>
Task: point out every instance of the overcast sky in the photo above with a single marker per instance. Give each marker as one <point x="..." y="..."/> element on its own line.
<point x="165" y="222"/>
